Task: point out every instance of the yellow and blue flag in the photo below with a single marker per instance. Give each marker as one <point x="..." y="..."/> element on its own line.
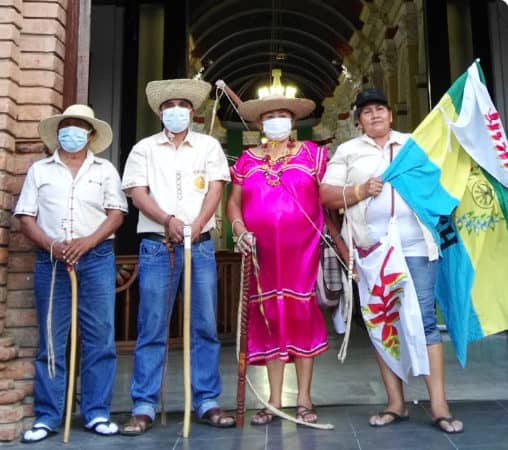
<point x="453" y="173"/>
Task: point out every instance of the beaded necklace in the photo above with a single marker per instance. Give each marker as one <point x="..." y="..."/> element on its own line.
<point x="274" y="167"/>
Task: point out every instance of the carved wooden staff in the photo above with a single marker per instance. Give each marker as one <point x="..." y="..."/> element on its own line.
<point x="74" y="344"/>
<point x="186" y="328"/>
<point x="244" y="319"/>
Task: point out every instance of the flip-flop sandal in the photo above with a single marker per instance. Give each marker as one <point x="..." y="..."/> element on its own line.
<point x="95" y="428"/>
<point x="438" y="423"/>
<point x="397" y="418"/>
<point x="264" y="418"/>
<point x="302" y="412"/>
<point x="137" y="425"/>
<point x="40" y="433"/>
<point x="215" y="418"/>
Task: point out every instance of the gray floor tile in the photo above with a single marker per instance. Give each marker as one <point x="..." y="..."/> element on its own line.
<point x="345" y="396"/>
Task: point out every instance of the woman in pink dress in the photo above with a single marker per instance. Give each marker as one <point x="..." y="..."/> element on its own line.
<point x="274" y="205"/>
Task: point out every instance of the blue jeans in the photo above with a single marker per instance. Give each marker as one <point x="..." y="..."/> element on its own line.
<point x="423" y="273"/>
<point x="154" y="312"/>
<point x="96" y="274"/>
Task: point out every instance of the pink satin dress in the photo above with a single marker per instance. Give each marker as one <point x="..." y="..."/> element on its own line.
<point x="279" y="201"/>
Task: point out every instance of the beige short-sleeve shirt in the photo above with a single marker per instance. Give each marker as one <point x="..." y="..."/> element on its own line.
<point x="354" y="162"/>
<point x="177" y="179"/>
<point x="67" y="207"/>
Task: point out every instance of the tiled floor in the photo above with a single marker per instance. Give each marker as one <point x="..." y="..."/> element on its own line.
<point x="345" y="396"/>
<point x="486" y="429"/>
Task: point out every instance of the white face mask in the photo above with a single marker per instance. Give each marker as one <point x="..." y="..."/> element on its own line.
<point x="277" y="129"/>
<point x="176" y="119"/>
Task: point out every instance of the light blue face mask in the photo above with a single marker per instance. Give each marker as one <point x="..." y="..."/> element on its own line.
<point x="73" y="139"/>
<point x="176" y="119"/>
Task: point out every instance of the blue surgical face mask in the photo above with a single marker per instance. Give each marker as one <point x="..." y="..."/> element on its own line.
<point x="73" y="139"/>
<point x="278" y="128"/>
<point x="176" y="119"/>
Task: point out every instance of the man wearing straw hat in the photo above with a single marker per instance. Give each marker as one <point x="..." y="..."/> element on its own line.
<point x="70" y="206"/>
<point x="176" y="177"/>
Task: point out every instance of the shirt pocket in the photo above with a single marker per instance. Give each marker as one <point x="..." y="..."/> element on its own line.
<point x="91" y="191"/>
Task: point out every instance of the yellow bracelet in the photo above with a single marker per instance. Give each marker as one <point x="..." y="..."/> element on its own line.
<point x="357" y="193"/>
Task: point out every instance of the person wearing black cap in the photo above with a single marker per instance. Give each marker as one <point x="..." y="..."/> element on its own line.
<point x="381" y="222"/>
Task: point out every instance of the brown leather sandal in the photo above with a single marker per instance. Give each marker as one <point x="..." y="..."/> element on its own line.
<point x="215" y="417"/>
<point x="307" y="415"/>
<point x="262" y="417"/>
<point x="136" y="425"/>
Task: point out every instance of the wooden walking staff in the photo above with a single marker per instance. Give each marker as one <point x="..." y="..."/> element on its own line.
<point x="244" y="319"/>
<point x="186" y="328"/>
<point x="74" y="345"/>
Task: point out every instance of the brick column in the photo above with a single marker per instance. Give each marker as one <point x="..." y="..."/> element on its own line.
<point x="11" y="20"/>
<point x="32" y="48"/>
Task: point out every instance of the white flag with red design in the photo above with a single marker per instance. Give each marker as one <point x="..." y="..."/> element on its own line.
<point x="479" y="129"/>
<point x="390" y="307"/>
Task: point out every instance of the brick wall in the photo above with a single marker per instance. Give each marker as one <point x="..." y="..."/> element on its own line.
<point x="32" y="49"/>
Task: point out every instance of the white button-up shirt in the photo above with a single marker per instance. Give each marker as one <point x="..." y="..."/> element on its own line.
<point x="177" y="179"/>
<point x="67" y="207"/>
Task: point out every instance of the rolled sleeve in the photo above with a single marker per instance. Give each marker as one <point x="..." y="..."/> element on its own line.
<point x="217" y="164"/>
<point x="27" y="203"/>
<point x="136" y="169"/>
<point x="114" y="198"/>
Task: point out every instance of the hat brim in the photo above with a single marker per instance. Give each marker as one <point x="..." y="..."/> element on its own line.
<point x="252" y="110"/>
<point x="48" y="131"/>
<point x="160" y="91"/>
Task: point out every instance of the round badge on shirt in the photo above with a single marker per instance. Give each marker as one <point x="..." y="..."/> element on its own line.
<point x="199" y="182"/>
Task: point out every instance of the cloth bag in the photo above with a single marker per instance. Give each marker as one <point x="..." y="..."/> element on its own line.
<point x="329" y="287"/>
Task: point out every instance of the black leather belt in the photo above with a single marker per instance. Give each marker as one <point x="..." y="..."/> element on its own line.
<point x="159" y="238"/>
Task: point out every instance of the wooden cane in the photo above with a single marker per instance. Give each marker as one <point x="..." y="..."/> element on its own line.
<point x="244" y="319"/>
<point x="74" y="344"/>
<point x="186" y="328"/>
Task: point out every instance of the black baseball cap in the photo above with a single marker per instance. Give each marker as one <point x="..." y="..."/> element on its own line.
<point x="371" y="95"/>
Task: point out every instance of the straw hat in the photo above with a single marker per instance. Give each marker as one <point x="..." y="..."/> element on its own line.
<point x="253" y="109"/>
<point x="195" y="91"/>
<point x="48" y="128"/>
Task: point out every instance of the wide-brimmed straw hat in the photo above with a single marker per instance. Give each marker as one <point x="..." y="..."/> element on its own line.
<point x="195" y="91"/>
<point x="48" y="128"/>
<point x="252" y="110"/>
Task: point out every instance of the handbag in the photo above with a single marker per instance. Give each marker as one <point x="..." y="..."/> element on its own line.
<point x="329" y="287"/>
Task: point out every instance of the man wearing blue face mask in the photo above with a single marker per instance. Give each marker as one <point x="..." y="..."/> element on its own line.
<point x="176" y="177"/>
<point x="70" y="206"/>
